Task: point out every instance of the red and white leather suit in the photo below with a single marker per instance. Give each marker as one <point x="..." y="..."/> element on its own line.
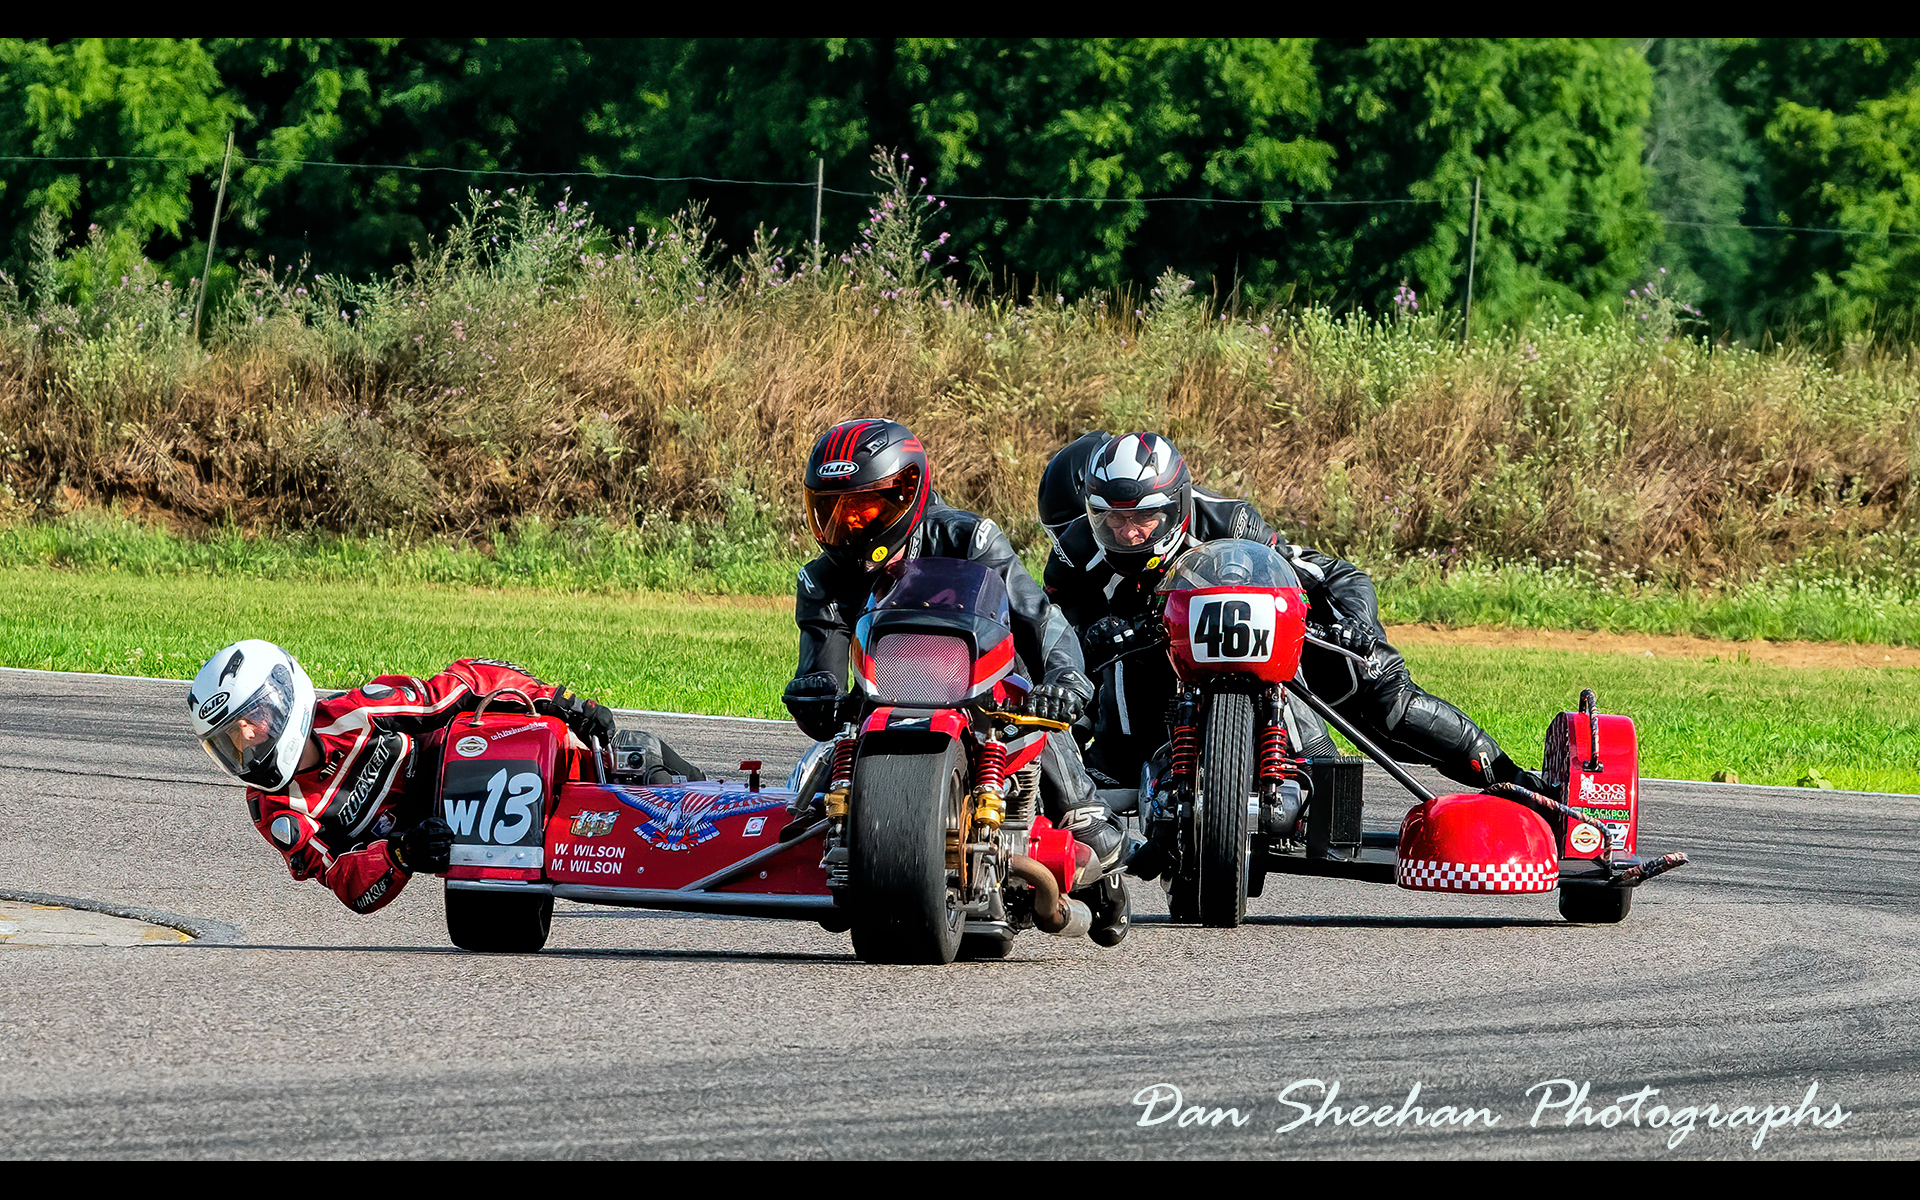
<point x="333" y="819"/>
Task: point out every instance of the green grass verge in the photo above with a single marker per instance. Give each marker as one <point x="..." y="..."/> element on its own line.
<point x="1768" y="724"/>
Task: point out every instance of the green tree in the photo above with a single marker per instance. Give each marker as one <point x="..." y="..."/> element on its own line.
<point x="1552" y="127"/>
<point x="1701" y="165"/>
<point x="152" y="108"/>
<point x="1813" y="108"/>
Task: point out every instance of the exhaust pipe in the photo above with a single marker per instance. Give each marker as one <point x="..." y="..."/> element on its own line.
<point x="1062" y="916"/>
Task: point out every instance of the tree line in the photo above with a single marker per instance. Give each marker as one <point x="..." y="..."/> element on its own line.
<point x="1337" y="171"/>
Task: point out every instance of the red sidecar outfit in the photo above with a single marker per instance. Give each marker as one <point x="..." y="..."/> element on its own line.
<point x="332" y="821"/>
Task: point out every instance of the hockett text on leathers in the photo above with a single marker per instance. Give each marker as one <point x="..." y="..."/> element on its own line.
<point x="333" y="819"/>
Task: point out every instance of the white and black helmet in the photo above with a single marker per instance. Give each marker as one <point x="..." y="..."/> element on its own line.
<point x="1139" y="501"/>
<point x="252" y="709"/>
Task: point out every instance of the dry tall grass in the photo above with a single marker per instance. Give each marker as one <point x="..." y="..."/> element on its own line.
<point x="535" y="363"/>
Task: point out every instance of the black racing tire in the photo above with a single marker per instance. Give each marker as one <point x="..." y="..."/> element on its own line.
<point x="984" y="947"/>
<point x="1584" y="904"/>
<point x="498" y="922"/>
<point x="1220" y="819"/>
<point x="906" y="908"/>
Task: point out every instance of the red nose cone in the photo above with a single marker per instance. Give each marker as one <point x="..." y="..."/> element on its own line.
<point x="1476" y="844"/>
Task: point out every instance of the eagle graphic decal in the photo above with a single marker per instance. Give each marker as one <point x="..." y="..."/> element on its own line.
<point x="680" y="818"/>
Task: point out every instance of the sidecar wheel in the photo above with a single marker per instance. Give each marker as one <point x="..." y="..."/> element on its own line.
<point x="498" y="922"/>
<point x="1183" y="898"/>
<point x="981" y="947"/>
<point x="906" y="905"/>
<point x="1584" y="904"/>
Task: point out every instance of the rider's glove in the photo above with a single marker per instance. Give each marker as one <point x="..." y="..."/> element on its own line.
<point x="426" y="848"/>
<point x="1350" y="636"/>
<point x="587" y="719"/>
<point x="1110" y="634"/>
<point x="814" y="701"/>
<point x="1061" y="698"/>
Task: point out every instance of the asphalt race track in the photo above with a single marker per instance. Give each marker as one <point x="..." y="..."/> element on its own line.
<point x="1784" y="956"/>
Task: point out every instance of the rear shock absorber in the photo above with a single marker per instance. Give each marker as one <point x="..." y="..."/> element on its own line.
<point x="1185" y="741"/>
<point x="840" y="779"/>
<point x="990" y="784"/>
<point x="1273" y="740"/>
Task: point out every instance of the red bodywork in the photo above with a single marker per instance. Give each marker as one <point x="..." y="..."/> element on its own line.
<point x="1256" y="631"/>
<point x="1490" y="843"/>
<point x="610" y="842"/>
<point x="1476" y="843"/>
<point x="1609" y="795"/>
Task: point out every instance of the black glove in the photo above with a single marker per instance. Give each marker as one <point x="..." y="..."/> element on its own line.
<point x="1062" y="698"/>
<point x="1348" y="635"/>
<point x="426" y="848"/>
<point x="814" y="701"/>
<point x="587" y="719"/>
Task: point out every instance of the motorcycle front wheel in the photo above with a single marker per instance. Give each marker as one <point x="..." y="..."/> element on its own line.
<point x="906" y="905"/>
<point x="1226" y="780"/>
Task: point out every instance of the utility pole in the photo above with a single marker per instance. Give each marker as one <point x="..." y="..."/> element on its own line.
<point x="819" y="189"/>
<point x="213" y="232"/>
<point x="1473" y="244"/>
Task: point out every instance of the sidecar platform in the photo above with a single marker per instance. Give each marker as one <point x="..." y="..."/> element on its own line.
<point x="711" y="846"/>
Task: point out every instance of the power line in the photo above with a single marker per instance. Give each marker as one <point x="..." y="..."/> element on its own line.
<point x="635" y="176"/>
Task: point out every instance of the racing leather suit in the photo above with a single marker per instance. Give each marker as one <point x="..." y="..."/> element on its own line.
<point x="1397" y="714"/>
<point x="830" y="598"/>
<point x="333" y="820"/>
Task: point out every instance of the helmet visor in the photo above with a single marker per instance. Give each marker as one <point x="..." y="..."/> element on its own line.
<point x="1130" y="530"/>
<point x="848" y="520"/>
<point x="250" y="737"/>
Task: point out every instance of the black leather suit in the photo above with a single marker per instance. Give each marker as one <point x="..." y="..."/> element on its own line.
<point x="830" y="598"/>
<point x="1402" y="718"/>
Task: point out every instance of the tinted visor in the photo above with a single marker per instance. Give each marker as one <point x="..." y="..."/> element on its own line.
<point x="848" y="520"/>
<point x="1130" y="530"/>
<point x="250" y="736"/>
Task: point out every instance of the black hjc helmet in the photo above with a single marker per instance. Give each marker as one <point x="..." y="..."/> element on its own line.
<point x="1063" y="483"/>
<point x="867" y="486"/>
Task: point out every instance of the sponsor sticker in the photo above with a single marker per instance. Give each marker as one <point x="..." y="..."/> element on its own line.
<point x="838" y="469"/>
<point x="1584" y="838"/>
<point x="506" y="733"/>
<point x="472" y="746"/>
<point x="1592" y="789"/>
<point x="754" y="826"/>
<point x="594" y="824"/>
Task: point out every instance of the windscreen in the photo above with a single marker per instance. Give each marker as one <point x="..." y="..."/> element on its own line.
<point x="944" y="585"/>
<point x="1230" y="562"/>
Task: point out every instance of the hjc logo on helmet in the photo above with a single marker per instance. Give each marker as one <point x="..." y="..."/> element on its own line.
<point x="214" y="704"/>
<point x="837" y="470"/>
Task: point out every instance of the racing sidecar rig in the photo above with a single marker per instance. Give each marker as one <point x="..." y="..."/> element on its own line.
<point x="1231" y="801"/>
<point x="535" y="817"/>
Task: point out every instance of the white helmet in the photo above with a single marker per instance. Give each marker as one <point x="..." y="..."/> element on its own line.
<point x="252" y="709"/>
<point x="1139" y="500"/>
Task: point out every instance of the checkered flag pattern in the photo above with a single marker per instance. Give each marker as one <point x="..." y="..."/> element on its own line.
<point x="1432" y="875"/>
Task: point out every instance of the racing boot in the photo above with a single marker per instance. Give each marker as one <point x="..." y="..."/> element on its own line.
<point x="1112" y="914"/>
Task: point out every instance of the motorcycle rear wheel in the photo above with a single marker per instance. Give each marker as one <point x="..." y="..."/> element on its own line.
<point x="1226" y="780"/>
<point x="906" y="908"/>
<point x="498" y="922"/>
